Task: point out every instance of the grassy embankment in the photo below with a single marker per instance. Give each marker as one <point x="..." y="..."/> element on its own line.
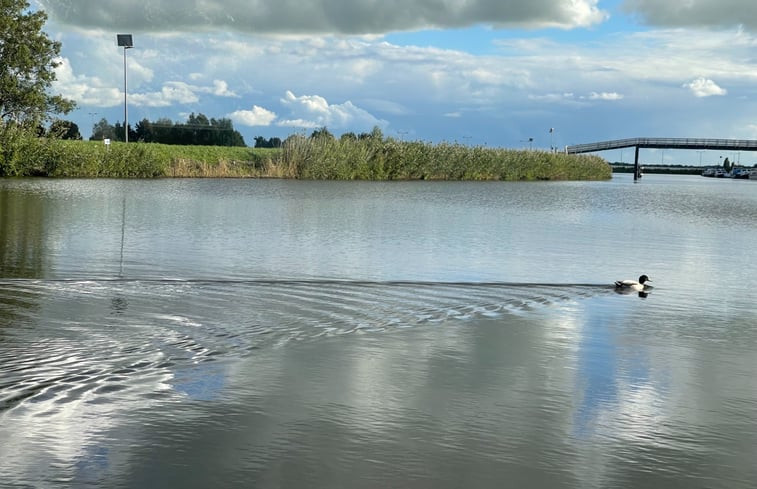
<point x="301" y="158"/>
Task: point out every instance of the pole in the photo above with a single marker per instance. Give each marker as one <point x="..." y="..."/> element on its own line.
<point x="551" y="139"/>
<point x="126" y="110"/>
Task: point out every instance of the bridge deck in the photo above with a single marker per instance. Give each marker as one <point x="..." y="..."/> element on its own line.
<point x="665" y="143"/>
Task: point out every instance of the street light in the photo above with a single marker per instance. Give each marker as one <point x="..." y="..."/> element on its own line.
<point x="551" y="138"/>
<point x="125" y="41"/>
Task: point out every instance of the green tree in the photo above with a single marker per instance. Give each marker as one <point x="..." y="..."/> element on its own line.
<point x="64" y="129"/>
<point x="144" y="131"/>
<point x="28" y="59"/>
<point x="727" y="166"/>
<point x="103" y="130"/>
<point x="321" y="133"/>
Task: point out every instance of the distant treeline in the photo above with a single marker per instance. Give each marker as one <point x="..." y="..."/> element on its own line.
<point x="323" y="132"/>
<point x="197" y="131"/>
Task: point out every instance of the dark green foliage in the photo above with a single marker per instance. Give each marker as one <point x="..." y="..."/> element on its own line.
<point x="27" y="66"/>
<point x="103" y="130"/>
<point x="261" y="142"/>
<point x="197" y="131"/>
<point x="321" y="133"/>
<point x="64" y="130"/>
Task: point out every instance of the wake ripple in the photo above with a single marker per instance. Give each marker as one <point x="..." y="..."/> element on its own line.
<point x="100" y="341"/>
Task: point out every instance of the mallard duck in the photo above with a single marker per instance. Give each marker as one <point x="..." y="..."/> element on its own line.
<point x="634" y="285"/>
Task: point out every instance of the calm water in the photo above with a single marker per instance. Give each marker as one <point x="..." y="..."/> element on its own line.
<point x="248" y="333"/>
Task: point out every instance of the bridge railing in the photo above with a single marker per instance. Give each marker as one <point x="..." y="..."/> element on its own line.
<point x="681" y="143"/>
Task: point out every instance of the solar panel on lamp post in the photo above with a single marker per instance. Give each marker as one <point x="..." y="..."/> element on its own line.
<point x="125" y="41"/>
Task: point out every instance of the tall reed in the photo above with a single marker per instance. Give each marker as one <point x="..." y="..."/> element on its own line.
<point x="323" y="158"/>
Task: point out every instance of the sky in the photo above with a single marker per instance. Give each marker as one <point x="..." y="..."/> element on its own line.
<point x="481" y="72"/>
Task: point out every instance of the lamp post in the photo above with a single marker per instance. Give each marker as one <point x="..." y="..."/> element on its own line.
<point x="551" y="139"/>
<point x="125" y="41"/>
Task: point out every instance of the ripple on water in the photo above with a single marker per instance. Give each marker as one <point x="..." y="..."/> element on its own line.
<point x="68" y="341"/>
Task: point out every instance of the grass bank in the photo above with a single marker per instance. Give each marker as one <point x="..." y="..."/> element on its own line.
<point x="300" y="158"/>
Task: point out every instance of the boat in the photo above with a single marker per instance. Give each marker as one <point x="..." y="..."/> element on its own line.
<point x="740" y="173"/>
<point x="708" y="172"/>
<point x="753" y="174"/>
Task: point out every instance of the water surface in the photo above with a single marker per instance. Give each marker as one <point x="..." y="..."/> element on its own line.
<point x="264" y="333"/>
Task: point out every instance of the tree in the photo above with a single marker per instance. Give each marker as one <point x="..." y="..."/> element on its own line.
<point x="144" y="131"/>
<point x="321" y="133"/>
<point x="727" y="166"/>
<point x="261" y="142"/>
<point x="198" y="130"/>
<point x="64" y="130"/>
<point x="28" y="59"/>
<point x="102" y="130"/>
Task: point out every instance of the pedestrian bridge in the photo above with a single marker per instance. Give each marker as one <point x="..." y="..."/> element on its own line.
<point x="666" y="143"/>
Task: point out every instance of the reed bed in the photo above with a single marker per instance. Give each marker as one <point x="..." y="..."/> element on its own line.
<point x="321" y="158"/>
<point x="390" y="159"/>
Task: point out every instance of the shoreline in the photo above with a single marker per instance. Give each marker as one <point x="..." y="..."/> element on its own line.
<point x="380" y="159"/>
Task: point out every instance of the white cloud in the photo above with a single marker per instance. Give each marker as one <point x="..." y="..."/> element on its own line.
<point x="221" y="89"/>
<point x="314" y="111"/>
<point x="610" y="96"/>
<point x="171" y="93"/>
<point x="177" y="92"/>
<point x="702" y="87"/>
<point x="258" y="116"/>
<point x="553" y="97"/>
<point x="322" y="16"/>
<point x="85" y="90"/>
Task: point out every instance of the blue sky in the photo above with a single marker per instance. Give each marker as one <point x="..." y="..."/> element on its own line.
<point x="485" y="72"/>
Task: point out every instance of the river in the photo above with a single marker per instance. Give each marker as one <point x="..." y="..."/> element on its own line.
<point x="272" y="333"/>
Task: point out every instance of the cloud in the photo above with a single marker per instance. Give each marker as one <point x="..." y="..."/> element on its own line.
<point x="177" y="92"/>
<point x="519" y="82"/>
<point x="553" y="98"/>
<point x="702" y="87"/>
<point x="85" y="90"/>
<point x="171" y="93"/>
<point x="610" y="96"/>
<point x="312" y="111"/>
<point x="221" y="89"/>
<point x="696" y="13"/>
<point x="258" y="116"/>
<point x="321" y="16"/>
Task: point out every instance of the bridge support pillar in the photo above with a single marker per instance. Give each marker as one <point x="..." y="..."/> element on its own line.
<point x="636" y="171"/>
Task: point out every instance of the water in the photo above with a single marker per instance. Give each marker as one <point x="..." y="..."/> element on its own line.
<point x="253" y="333"/>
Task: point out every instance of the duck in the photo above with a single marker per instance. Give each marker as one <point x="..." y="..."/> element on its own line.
<point x="637" y="286"/>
